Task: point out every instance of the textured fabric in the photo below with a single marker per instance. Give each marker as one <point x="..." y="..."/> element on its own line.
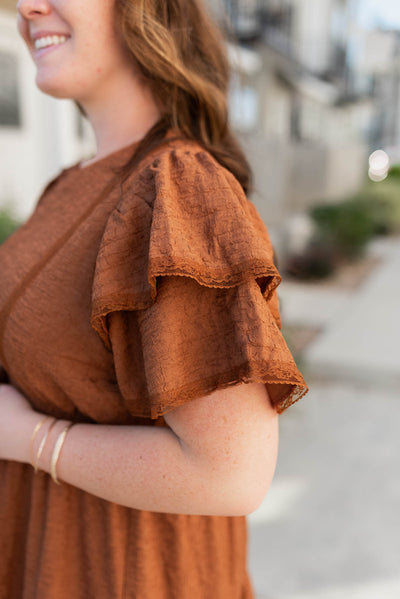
<point x="116" y="310"/>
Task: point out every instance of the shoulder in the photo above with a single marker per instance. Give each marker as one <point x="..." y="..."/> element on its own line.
<point x="187" y="157"/>
<point x="181" y="214"/>
<point x="182" y="172"/>
<point x="191" y="216"/>
<point x="49" y="187"/>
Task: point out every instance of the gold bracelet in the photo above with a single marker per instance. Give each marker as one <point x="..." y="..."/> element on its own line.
<point x="35" y="432"/>
<point x="42" y="444"/>
<point x="56" y="452"/>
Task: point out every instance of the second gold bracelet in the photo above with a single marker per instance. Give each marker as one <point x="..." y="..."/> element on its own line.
<point x="56" y="452"/>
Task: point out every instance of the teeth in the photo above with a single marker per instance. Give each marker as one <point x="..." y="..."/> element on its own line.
<point x="50" y="40"/>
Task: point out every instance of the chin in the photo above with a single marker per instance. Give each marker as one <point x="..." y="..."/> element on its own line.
<point x="54" y="88"/>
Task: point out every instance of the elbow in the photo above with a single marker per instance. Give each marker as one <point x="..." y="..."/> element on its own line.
<point x="243" y="493"/>
<point x="248" y="483"/>
<point x="249" y="497"/>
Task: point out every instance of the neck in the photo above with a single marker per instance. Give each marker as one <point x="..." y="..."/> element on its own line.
<point x="121" y="115"/>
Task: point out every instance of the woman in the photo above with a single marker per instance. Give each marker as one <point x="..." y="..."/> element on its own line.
<point x="139" y="328"/>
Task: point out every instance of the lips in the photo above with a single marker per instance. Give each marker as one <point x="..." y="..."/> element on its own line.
<point x="46" y="41"/>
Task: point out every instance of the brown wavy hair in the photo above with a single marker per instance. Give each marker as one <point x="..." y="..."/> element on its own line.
<point x="180" y="52"/>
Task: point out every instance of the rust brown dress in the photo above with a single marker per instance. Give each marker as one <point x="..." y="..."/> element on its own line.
<point x="116" y="310"/>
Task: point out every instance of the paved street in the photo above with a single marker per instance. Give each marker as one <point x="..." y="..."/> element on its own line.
<point x="329" y="527"/>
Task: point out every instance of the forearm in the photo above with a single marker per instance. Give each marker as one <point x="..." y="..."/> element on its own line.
<point x="216" y="457"/>
<point x="140" y="467"/>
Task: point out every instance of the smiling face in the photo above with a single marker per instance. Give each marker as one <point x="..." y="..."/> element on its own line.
<point x="73" y="44"/>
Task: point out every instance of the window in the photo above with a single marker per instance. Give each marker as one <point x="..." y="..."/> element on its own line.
<point x="10" y="110"/>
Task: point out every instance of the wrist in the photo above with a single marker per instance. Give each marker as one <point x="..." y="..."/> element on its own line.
<point x="29" y="440"/>
<point x="44" y="463"/>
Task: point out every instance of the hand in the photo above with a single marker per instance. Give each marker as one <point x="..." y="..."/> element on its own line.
<point x="17" y="422"/>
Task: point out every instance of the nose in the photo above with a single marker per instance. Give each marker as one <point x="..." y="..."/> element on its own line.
<point x="30" y="9"/>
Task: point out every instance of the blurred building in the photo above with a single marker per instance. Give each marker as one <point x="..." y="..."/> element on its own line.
<point x="314" y="111"/>
<point x="38" y="135"/>
<point x="307" y="106"/>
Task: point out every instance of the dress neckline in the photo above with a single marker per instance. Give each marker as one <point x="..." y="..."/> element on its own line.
<point x="112" y="159"/>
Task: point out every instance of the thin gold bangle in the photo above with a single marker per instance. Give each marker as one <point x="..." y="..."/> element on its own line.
<point x="33" y="437"/>
<point x="56" y="452"/>
<point x="42" y="444"/>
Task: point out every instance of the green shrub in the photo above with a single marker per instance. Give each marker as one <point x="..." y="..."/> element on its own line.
<point x="8" y="224"/>
<point x="343" y="229"/>
<point x="383" y="200"/>
<point x="346" y="226"/>
<point x="317" y="261"/>
<point x="394" y="172"/>
<point x="379" y="211"/>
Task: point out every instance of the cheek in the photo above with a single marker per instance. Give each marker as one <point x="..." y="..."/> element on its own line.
<point x="22" y="27"/>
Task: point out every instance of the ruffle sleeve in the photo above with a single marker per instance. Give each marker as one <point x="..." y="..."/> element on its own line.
<point x="184" y="288"/>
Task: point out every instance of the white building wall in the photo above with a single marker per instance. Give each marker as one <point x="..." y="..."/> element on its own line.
<point x="45" y="142"/>
<point x="311" y="29"/>
<point x="288" y="176"/>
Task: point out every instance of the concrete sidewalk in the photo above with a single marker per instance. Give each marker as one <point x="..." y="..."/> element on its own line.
<point x="360" y="341"/>
<point x="329" y="527"/>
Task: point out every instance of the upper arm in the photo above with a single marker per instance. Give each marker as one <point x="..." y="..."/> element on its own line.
<point x="233" y="432"/>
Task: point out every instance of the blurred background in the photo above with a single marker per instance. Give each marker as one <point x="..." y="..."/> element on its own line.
<point x="315" y="100"/>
